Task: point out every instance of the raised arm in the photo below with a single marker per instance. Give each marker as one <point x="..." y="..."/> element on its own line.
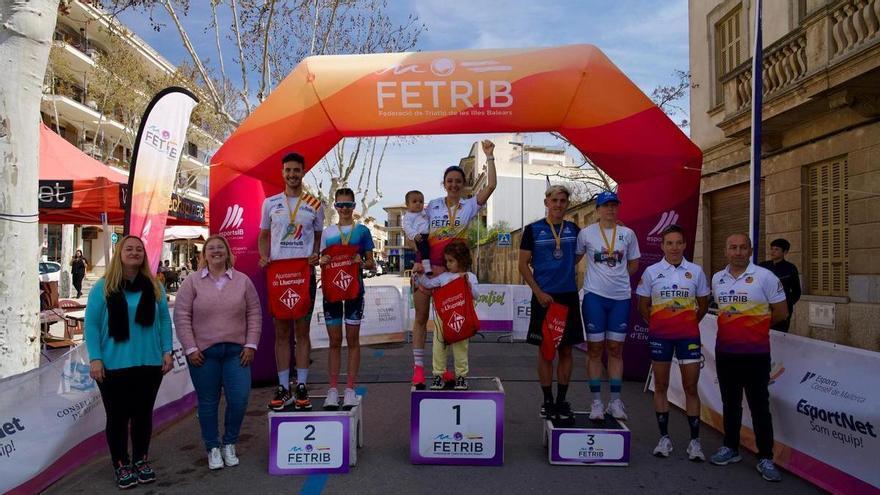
<point x="492" y="180"/>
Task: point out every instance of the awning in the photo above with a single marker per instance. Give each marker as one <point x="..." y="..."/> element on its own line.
<point x="76" y="188"/>
<point x="185" y="232"/>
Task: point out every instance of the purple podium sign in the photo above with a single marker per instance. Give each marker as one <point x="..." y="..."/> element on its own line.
<point x="459" y="427"/>
<point x="588" y="443"/>
<point x="309" y="442"/>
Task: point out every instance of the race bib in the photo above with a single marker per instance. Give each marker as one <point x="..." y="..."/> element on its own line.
<point x="340" y="280"/>
<point x="454" y="305"/>
<point x="289" y="282"/>
<point x="553" y="329"/>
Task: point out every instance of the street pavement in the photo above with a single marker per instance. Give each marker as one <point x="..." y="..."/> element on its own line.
<point x="383" y="463"/>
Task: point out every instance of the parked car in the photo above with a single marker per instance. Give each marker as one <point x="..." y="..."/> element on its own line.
<point x="50" y="271"/>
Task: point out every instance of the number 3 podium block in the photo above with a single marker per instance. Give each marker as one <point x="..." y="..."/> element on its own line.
<point x="318" y="441"/>
<point x="459" y="427"/>
<point x="587" y="442"/>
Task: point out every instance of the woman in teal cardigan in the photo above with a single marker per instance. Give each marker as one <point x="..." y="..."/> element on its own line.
<point x="128" y="336"/>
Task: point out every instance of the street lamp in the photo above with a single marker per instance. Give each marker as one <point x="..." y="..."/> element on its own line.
<point x="522" y="181"/>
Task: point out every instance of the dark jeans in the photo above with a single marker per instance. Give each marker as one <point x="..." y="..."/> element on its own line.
<point x="129" y="395"/>
<point x="749" y="372"/>
<point x="78" y="282"/>
<point x="222" y="369"/>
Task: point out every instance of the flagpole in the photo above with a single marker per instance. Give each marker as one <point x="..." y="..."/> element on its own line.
<point x="755" y="169"/>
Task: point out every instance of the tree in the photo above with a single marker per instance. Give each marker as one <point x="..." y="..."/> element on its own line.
<point x="26" y="28"/>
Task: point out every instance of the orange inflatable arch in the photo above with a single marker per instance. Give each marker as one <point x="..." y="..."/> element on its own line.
<point x="574" y="90"/>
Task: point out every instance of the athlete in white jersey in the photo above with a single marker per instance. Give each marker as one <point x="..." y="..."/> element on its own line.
<point x="291" y="227"/>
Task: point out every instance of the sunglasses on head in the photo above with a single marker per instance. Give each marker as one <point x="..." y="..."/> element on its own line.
<point x="344" y="204"/>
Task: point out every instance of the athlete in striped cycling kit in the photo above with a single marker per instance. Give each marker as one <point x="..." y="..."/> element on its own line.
<point x="673" y="298"/>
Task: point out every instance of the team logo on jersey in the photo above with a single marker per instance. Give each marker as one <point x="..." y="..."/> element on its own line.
<point x="455" y="322"/>
<point x="688" y="275"/>
<point x="661" y="276"/>
<point x="342" y="280"/>
<point x="749" y="280"/>
<point x="289" y="298"/>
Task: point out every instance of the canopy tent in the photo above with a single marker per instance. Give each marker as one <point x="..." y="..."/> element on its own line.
<point x="76" y="188"/>
<point x="575" y="90"/>
<point x="186" y="233"/>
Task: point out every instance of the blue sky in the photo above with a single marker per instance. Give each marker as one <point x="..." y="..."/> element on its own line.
<point x="647" y="39"/>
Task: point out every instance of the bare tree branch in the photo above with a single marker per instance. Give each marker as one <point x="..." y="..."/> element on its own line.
<point x="217" y="38"/>
<point x="264" y="76"/>
<point x="329" y="27"/>
<point x="244" y="83"/>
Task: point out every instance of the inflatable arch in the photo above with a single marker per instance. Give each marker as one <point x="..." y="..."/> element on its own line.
<point x="574" y="90"/>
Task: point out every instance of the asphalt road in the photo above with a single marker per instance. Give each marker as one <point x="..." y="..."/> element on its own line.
<point x="384" y="465"/>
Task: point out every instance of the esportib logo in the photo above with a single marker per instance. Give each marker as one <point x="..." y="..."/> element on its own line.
<point x="231" y="226"/>
<point x="447" y="94"/>
<point x="666" y="219"/>
<point x="458" y="443"/>
<point x="808" y="376"/>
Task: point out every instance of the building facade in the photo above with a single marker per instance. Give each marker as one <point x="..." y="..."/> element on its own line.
<point x="820" y="147"/>
<point x="83" y="34"/>
<point x="397" y="256"/>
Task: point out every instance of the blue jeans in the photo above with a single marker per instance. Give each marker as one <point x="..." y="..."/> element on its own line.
<point x="222" y="368"/>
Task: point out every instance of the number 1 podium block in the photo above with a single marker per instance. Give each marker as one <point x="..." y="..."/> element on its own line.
<point x="587" y="442"/>
<point x="317" y="441"/>
<point x="459" y="427"/>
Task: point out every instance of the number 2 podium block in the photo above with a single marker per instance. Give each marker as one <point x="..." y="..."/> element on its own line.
<point x="317" y="441"/>
<point x="459" y="427"/>
<point x="586" y="442"/>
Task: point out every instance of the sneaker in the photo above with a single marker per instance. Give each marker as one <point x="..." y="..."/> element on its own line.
<point x="437" y="383"/>
<point x="664" y="447"/>
<point x="350" y="399"/>
<point x="725" y="456"/>
<point x="547" y="410"/>
<point x="125" y="476"/>
<point x="461" y="383"/>
<point x="301" y="400"/>
<point x="215" y="459"/>
<point x="563" y="411"/>
<point x="616" y="409"/>
<point x="768" y="470"/>
<point x="418" y="379"/>
<point x="145" y="473"/>
<point x="281" y="400"/>
<point x="230" y="458"/>
<point x="597" y="410"/>
<point x="331" y="403"/>
<point x="695" y="451"/>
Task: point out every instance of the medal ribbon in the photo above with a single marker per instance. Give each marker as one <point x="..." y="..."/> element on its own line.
<point x="345" y="238"/>
<point x="453" y="213"/>
<point x="295" y="210"/>
<point x="609" y="246"/>
<point x="557" y="236"/>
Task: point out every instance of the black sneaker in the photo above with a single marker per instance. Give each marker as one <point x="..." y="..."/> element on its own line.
<point x="281" y="400"/>
<point x="563" y="411"/>
<point x="301" y="400"/>
<point x="437" y="383"/>
<point x="547" y="409"/>
<point x="461" y="383"/>
<point x="125" y="476"/>
<point x="145" y="473"/>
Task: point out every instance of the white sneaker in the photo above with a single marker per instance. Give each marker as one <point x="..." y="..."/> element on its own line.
<point x="349" y="399"/>
<point x="332" y="400"/>
<point x="597" y="410"/>
<point x="229" y="456"/>
<point x="695" y="451"/>
<point x="664" y="447"/>
<point x="616" y="409"/>
<point x="215" y="461"/>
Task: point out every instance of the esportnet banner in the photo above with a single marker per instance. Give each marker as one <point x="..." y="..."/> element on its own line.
<point x="52" y="418"/>
<point x="825" y="404"/>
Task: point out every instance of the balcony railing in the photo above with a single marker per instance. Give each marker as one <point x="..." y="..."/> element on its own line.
<point x="825" y="43"/>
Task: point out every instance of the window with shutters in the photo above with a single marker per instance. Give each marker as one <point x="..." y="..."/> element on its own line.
<point x="828" y="228"/>
<point x="728" y="40"/>
<point x="729" y="214"/>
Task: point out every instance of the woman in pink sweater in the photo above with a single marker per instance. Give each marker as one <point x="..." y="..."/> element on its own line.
<point x="218" y="319"/>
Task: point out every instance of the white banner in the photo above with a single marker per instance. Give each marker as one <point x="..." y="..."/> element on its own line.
<point x="56" y="411"/>
<point x="825" y="404"/>
<point x="383" y="318"/>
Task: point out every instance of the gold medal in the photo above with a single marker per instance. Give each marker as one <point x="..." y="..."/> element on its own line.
<point x="610" y="261"/>
<point x="291" y="227"/>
